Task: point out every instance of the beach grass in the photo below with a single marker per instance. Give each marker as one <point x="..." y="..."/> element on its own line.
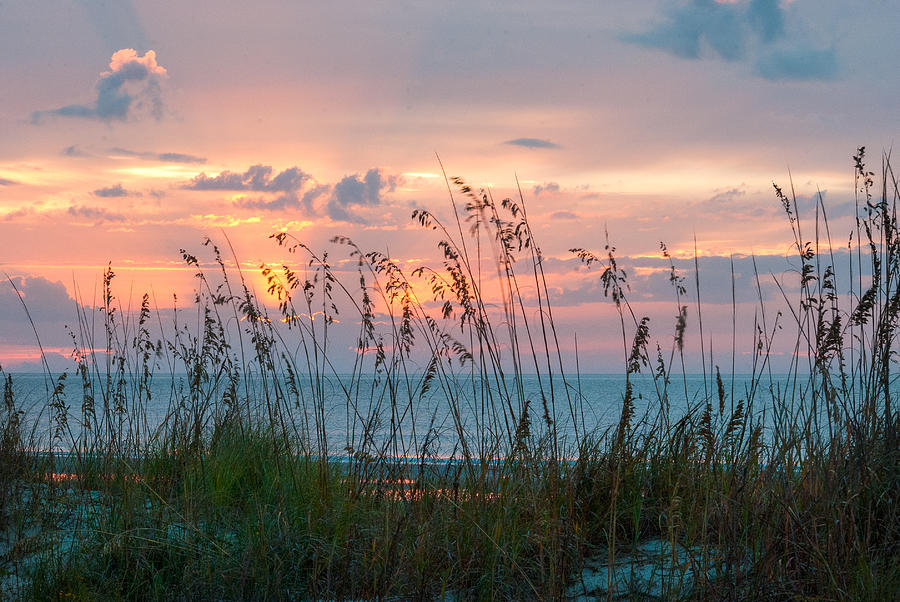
<point x="776" y="492"/>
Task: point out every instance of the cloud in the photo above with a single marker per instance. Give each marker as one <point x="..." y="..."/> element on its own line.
<point x="73" y="151"/>
<point x="111" y="191"/>
<point x="731" y="201"/>
<point x="685" y="30"/>
<point x="293" y="188"/>
<point x="132" y="82"/>
<point x="95" y="213"/>
<point x="47" y="301"/>
<point x="289" y="180"/>
<point x="753" y="31"/>
<point x="5" y="182"/>
<point x="735" y="203"/>
<point x="277" y="204"/>
<point x="257" y="177"/>
<point x="150" y="156"/>
<point x="14" y="215"/>
<point x="563" y="215"/>
<point x="124" y="152"/>
<point x="50" y="307"/>
<point x="289" y="201"/>
<point x="312" y="195"/>
<point x="798" y="64"/>
<point x="766" y="18"/>
<point x="545" y="187"/>
<point x="648" y="279"/>
<point x="807" y="205"/>
<point x="116" y="23"/>
<point x="531" y="143"/>
<point x="355" y="191"/>
<point x="180" y="158"/>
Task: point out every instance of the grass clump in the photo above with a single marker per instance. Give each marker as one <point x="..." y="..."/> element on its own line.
<point x="254" y="482"/>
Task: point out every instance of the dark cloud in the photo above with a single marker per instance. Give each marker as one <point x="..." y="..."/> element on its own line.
<point x="45" y="299"/>
<point x="94" y="213"/>
<point x="180" y="158"/>
<point x="720" y="26"/>
<point x="124" y="152"/>
<point x="727" y="196"/>
<point x="845" y="209"/>
<point x="116" y="23"/>
<point x="111" y="191"/>
<point x="288" y="190"/>
<point x="736" y="203"/>
<point x="648" y="278"/>
<point x="563" y="215"/>
<point x="733" y="202"/>
<point x="312" y="195"/>
<point x="738" y="31"/>
<point x="545" y="187"/>
<point x="50" y="307"/>
<point x="150" y="156"/>
<point x="73" y="151"/>
<point x="809" y="205"/>
<point x="355" y="191"/>
<point x="257" y="178"/>
<point x="289" y="180"/>
<point x="5" y="182"/>
<point x="531" y="143"/>
<point x="766" y="18"/>
<point x="798" y="64"/>
<point x="133" y="82"/>
<point x="279" y="203"/>
<point x="306" y="201"/>
<point x="714" y="271"/>
<point x="14" y="215"/>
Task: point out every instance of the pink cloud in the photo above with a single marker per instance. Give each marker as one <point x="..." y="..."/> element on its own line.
<point x="126" y="57"/>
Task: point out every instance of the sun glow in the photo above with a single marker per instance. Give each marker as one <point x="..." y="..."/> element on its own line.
<point x="159" y="171"/>
<point x="421" y="174"/>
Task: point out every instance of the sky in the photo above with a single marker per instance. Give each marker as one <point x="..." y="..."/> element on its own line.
<point x="133" y="129"/>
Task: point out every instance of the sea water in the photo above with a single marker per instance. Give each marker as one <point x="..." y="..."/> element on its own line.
<point x="353" y="414"/>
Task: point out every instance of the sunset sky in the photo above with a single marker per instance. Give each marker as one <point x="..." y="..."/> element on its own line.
<point x="130" y="130"/>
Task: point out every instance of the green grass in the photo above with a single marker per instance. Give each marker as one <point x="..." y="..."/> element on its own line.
<point x="231" y="498"/>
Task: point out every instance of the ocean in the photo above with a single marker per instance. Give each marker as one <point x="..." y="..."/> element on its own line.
<point x="346" y="414"/>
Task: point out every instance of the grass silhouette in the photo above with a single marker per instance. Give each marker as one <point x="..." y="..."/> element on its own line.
<point x="237" y="492"/>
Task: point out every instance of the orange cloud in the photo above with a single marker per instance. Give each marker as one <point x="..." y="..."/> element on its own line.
<point x="127" y="56"/>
